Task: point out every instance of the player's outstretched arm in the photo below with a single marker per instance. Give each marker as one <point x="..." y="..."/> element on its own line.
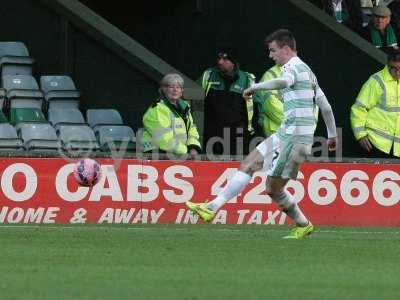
<point x="273" y="84"/>
<point x="329" y="119"/>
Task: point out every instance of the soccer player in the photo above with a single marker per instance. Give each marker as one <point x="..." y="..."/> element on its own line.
<point x="283" y="152"/>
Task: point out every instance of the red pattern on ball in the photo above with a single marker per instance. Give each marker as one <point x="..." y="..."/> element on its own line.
<point x="87" y="172"/>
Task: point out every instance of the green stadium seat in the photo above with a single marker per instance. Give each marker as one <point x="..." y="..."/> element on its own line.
<point x="21" y="115"/>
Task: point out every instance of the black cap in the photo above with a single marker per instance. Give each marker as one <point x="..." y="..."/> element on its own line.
<point x="227" y="53"/>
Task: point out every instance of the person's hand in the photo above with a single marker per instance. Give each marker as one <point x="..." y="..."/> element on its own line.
<point x="247" y="97"/>
<point x="365" y="144"/>
<point x="332" y="143"/>
<point x="247" y="93"/>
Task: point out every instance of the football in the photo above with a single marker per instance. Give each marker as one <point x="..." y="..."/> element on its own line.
<point x="87" y="172"/>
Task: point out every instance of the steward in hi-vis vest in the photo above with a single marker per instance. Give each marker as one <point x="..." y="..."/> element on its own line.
<point x="375" y="116"/>
<point x="168" y="123"/>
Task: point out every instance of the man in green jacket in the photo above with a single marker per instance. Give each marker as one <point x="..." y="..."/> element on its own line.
<point x="168" y="123"/>
<point x="227" y="115"/>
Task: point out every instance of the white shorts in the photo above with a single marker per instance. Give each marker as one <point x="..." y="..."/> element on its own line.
<point x="282" y="158"/>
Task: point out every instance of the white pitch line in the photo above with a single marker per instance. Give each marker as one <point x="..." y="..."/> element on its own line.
<point x="180" y="229"/>
<point x="357" y="232"/>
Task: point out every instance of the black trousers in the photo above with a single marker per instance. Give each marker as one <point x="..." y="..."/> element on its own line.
<point x="376" y="153"/>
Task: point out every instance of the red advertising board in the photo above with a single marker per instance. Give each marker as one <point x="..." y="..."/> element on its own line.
<point x="43" y="190"/>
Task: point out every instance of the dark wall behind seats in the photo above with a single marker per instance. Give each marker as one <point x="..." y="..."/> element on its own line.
<point x="186" y="33"/>
<point x="29" y="22"/>
<point x="109" y="82"/>
<point x="105" y="80"/>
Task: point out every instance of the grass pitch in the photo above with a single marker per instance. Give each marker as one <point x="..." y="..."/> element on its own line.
<point x="197" y="262"/>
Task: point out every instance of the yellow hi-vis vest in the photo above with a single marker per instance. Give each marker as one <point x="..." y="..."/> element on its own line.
<point x="250" y="105"/>
<point x="270" y="104"/>
<point x="376" y="112"/>
<point x="166" y="130"/>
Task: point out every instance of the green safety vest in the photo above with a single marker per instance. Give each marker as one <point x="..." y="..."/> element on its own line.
<point x="376" y="112"/>
<point x="168" y="129"/>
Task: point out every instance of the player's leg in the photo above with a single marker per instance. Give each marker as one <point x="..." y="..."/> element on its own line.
<point x="260" y="156"/>
<point x="252" y="163"/>
<point x="284" y="199"/>
<point x="286" y="168"/>
<point x="235" y="185"/>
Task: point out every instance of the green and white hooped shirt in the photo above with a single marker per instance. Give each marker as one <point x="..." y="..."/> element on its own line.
<point x="300" y="110"/>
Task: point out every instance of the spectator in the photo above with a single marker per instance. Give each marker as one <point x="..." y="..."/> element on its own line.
<point x="269" y="105"/>
<point x="168" y="123"/>
<point x="344" y="11"/>
<point x="366" y="11"/>
<point x="379" y="30"/>
<point x="366" y="8"/>
<point x="375" y="114"/>
<point x="227" y="116"/>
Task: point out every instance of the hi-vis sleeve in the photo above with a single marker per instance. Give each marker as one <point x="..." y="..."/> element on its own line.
<point x="193" y="136"/>
<point x="367" y="98"/>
